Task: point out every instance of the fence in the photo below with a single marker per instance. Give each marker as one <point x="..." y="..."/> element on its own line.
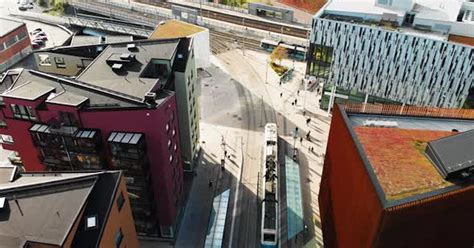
<point x="388" y="109"/>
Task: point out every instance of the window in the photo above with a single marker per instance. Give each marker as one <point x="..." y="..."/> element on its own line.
<point x="118" y="238"/>
<point x="68" y="118"/>
<point x="2" y="46"/>
<point x="171" y="158"/>
<point x="3" y="123"/>
<point x="167" y="127"/>
<point x="91" y="222"/>
<point x="11" y="41"/>
<point x="174" y="132"/>
<point x="169" y="143"/>
<point x="175" y="147"/>
<point x="22" y="35"/>
<point x="59" y="61"/>
<point x="23" y="112"/>
<point x="44" y="60"/>
<point x="172" y="116"/>
<point x="120" y="201"/>
<point x="6" y="139"/>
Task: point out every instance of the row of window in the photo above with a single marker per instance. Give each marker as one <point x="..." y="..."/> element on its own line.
<point x="12" y="41"/>
<point x="23" y="112"/>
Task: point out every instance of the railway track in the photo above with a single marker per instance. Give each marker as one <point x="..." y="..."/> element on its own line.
<point x="242" y="21"/>
<point x="221" y="42"/>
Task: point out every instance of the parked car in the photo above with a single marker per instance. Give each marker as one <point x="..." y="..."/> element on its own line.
<point x="40" y="36"/>
<point x="39" y="41"/>
<point x="36" y="31"/>
<point x="23" y="7"/>
<point x="35" y="45"/>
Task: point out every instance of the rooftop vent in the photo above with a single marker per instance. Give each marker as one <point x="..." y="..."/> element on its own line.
<point x="380" y="123"/>
<point x="2" y="203"/>
<point x="117" y="66"/>
<point x="150" y="97"/>
<point x="131" y="47"/>
<point x="453" y="156"/>
<point x="127" y="56"/>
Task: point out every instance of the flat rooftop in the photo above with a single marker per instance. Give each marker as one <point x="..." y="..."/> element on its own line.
<point x="175" y="29"/>
<point x="7" y="26"/>
<point x="397" y="156"/>
<point x="361" y="11"/>
<point x="129" y="81"/>
<point x="85" y="40"/>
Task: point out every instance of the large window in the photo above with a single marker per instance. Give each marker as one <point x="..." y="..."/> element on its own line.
<point x="320" y="58"/>
<point x="23" y="112"/>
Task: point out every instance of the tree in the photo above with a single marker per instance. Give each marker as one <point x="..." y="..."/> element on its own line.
<point x="42" y="3"/>
<point x="279" y="53"/>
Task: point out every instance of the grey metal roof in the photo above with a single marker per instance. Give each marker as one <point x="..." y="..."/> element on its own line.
<point x="67" y="98"/>
<point x="7" y="26"/>
<point x="43" y="207"/>
<point x="128" y="82"/>
<point x="453" y="154"/>
<point x="31" y="90"/>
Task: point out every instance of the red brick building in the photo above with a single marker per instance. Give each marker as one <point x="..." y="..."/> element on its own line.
<point x="380" y="189"/>
<point x="15" y="43"/>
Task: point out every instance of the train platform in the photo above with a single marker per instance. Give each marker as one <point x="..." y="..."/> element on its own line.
<point x="234" y="13"/>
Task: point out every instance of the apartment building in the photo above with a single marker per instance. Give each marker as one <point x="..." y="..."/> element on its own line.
<point x="65" y="209"/>
<point x="408" y="52"/>
<point x="186" y="81"/>
<point x="15" y="43"/>
<point x="398" y="176"/>
<point x="120" y="112"/>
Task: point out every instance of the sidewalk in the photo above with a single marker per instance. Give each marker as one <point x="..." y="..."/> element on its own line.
<point x="289" y="117"/>
<point x="215" y="126"/>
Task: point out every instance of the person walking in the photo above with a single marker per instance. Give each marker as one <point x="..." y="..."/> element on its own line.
<point x="296" y="101"/>
<point x="298" y="92"/>
<point x="301" y="139"/>
<point x="308" y="120"/>
<point x="281" y="95"/>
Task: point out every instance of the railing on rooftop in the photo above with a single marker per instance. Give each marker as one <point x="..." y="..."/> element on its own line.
<point x="389" y="109"/>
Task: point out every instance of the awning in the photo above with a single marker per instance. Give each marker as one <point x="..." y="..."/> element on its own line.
<point x="125" y="138"/>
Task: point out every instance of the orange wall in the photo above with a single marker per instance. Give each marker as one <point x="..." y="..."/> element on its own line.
<point x="122" y="219"/>
<point x="444" y="221"/>
<point x="72" y="233"/>
<point x="349" y="206"/>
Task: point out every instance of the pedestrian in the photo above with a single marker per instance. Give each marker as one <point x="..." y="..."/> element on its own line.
<point x="304" y="112"/>
<point x="298" y="93"/>
<point x="280" y="82"/>
<point x="308" y="120"/>
<point x="312" y="149"/>
<point x="296" y="101"/>
<point x="292" y="103"/>
<point x="210" y="183"/>
<point x="301" y="139"/>
<point x="281" y="95"/>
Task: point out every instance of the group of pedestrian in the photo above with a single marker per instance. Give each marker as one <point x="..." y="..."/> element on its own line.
<point x="311" y="149"/>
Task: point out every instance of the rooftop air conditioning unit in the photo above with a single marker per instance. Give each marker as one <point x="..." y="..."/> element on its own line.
<point x="150" y="97"/>
<point x="380" y="123"/>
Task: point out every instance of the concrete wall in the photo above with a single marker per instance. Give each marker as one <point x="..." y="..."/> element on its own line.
<point x="72" y="64"/>
<point x="122" y="219"/>
<point x="188" y="110"/>
<point x="401" y="67"/>
<point x="202" y="49"/>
